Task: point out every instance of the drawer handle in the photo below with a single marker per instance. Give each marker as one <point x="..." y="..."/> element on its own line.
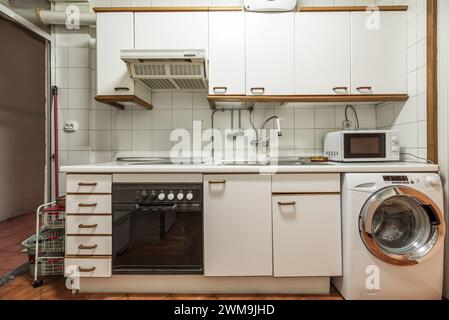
<point x="258" y="90"/>
<point x="220" y="89"/>
<point x="337" y="89"/>
<point x="121" y="89"/>
<point x="80" y="269"/>
<point x="87" y="184"/>
<point x="84" y="247"/>
<point x="87" y="205"/>
<point x="291" y="203"/>
<point x="366" y="88"/>
<point x="88" y="226"/>
<point x="217" y="181"/>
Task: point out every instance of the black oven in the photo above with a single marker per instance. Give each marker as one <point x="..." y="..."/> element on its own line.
<point x="157" y="228"/>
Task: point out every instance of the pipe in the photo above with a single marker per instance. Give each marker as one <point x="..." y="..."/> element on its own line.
<point x="61" y="17"/>
<point x="56" y="146"/>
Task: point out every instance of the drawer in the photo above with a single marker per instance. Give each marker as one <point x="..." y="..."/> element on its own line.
<point x="88" y="204"/>
<point x="86" y="245"/>
<point x="306" y="183"/>
<point x="90" y="267"/>
<point x="89" y="183"/>
<point x="89" y="225"/>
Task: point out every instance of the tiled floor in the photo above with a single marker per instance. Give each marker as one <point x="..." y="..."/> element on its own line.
<point x="12" y="232"/>
<point x="54" y="289"/>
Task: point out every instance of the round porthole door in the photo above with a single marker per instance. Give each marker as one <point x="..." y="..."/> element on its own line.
<point x="401" y="226"/>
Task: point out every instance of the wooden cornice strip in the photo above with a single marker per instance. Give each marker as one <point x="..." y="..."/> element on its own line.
<point x="310" y="98"/>
<point x="351" y="8"/>
<point x="165" y="9"/>
<point x="118" y="100"/>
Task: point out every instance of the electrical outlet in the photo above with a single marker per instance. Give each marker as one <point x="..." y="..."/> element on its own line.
<point x="71" y="126"/>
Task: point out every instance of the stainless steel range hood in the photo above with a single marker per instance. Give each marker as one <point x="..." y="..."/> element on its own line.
<point x="168" y="70"/>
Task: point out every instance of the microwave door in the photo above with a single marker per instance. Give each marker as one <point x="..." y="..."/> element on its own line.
<point x="365" y="147"/>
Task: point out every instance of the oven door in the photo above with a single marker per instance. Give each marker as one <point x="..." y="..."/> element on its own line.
<point x="364" y="146"/>
<point x="157" y="240"/>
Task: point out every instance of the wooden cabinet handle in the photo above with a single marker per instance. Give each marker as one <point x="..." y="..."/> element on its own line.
<point x="80" y="269"/>
<point x="260" y="90"/>
<point x="87" y="184"/>
<point x="217" y="181"/>
<point x="368" y="88"/>
<point x="84" y="247"/>
<point x="88" y="226"/>
<point x="87" y="205"/>
<point x="291" y="203"/>
<point x="220" y="89"/>
<point x="121" y="89"/>
<point x="340" y="89"/>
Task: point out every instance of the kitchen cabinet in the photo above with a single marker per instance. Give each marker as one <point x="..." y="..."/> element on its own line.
<point x="306" y="226"/>
<point x="378" y="52"/>
<point x="270" y="53"/>
<point x="171" y="30"/>
<point x="237" y="225"/>
<point x="227" y="53"/>
<point x="322" y="53"/>
<point x="115" y="31"/>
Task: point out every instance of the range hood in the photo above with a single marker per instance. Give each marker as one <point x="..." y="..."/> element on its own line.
<point x="168" y="70"/>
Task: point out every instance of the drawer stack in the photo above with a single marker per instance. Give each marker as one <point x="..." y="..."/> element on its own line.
<point x="89" y="224"/>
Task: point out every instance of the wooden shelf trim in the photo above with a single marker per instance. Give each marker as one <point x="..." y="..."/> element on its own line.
<point x="351" y="8"/>
<point x="309" y="98"/>
<point x="118" y="101"/>
<point x="166" y="9"/>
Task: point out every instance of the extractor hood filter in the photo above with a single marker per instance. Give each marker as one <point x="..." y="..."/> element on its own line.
<point x="168" y="69"/>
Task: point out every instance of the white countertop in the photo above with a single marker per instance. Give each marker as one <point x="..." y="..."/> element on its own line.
<point x="119" y="167"/>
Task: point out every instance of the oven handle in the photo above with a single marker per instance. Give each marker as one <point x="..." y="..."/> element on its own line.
<point x="157" y="207"/>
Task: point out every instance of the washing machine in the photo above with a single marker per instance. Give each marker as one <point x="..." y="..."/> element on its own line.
<point x="393" y="233"/>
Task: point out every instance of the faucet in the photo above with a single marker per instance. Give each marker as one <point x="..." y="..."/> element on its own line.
<point x="266" y="141"/>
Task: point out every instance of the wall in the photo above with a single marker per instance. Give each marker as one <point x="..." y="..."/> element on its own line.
<point x="410" y="118"/>
<point x="22" y="120"/>
<point x="106" y="132"/>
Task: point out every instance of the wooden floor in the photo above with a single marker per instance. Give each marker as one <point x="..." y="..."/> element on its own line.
<point x="12" y="232"/>
<point x="54" y="289"/>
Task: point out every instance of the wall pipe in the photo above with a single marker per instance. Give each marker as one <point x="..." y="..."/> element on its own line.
<point x="60" y="17"/>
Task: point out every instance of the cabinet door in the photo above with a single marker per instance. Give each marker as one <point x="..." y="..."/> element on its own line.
<point x="322" y="53"/>
<point x="171" y="30"/>
<point x="237" y="225"/>
<point x="379" y="53"/>
<point x="115" y="31"/>
<point x="227" y="53"/>
<point x="270" y="53"/>
<point x="306" y="235"/>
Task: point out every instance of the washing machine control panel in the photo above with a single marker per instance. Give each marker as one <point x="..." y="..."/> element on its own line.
<point x="397" y="180"/>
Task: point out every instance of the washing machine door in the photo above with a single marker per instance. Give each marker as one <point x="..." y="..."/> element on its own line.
<point x="401" y="226"/>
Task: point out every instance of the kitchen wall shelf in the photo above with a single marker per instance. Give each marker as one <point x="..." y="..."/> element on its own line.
<point x="213" y="99"/>
<point x="122" y="101"/>
<point x="351" y="8"/>
<point x="166" y="9"/>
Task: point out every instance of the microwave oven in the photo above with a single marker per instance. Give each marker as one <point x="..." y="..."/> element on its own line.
<point x="362" y="146"/>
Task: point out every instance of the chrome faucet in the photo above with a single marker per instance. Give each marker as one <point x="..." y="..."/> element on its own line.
<point x="266" y="141"/>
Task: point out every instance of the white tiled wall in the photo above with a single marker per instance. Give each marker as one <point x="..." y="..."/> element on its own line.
<point x="106" y="132"/>
<point x="410" y="118"/>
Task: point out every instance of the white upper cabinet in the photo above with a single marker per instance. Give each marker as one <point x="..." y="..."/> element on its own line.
<point x="171" y="30"/>
<point x="115" y="31"/>
<point x="270" y="53"/>
<point x="227" y="53"/>
<point x="322" y="53"/>
<point x="379" y="53"/>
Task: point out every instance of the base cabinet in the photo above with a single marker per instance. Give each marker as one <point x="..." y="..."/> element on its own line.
<point x="306" y="235"/>
<point x="237" y="225"/>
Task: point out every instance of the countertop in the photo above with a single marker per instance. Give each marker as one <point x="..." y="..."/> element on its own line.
<point x="119" y="167"/>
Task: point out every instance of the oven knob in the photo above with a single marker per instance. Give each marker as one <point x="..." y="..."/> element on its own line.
<point x="189" y="196"/>
<point x="395" y="139"/>
<point x="180" y="196"/>
<point x="170" y="196"/>
<point x="161" y="196"/>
